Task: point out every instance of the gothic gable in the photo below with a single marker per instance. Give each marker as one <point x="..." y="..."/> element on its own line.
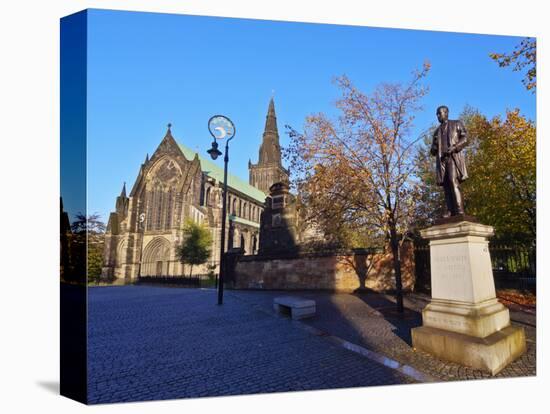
<point x="167" y="166"/>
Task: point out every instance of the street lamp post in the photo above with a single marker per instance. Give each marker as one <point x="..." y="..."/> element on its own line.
<point x="141" y="227"/>
<point x="221" y="127"/>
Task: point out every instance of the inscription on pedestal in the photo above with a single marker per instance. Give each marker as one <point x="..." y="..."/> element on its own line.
<point x="450" y="266"/>
<point x="439" y="321"/>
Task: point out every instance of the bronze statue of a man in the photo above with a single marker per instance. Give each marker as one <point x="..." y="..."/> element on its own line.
<point x="448" y="142"/>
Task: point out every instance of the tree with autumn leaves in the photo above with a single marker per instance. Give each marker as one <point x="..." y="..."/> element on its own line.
<point x="522" y="58"/>
<point x="502" y="188"/>
<point x="364" y="179"/>
<point x="357" y="173"/>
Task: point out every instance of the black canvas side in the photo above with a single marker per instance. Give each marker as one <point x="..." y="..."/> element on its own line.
<point x="73" y="246"/>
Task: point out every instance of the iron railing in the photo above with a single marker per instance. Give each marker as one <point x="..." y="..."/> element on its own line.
<point x="162" y="273"/>
<point x="183" y="281"/>
<point x="514" y="265"/>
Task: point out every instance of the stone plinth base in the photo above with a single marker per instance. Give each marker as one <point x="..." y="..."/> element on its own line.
<point x="491" y="353"/>
<point x="480" y="319"/>
<point x="464" y="322"/>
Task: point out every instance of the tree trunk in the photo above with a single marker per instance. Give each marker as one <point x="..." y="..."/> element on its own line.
<point x="394" y="242"/>
<point x="191" y="271"/>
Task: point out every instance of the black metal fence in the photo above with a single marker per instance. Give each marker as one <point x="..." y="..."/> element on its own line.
<point x="195" y="281"/>
<point x="422" y="267"/>
<point x="514" y="265"/>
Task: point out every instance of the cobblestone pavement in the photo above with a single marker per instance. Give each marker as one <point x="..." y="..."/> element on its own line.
<point x="370" y="320"/>
<point x="148" y="343"/>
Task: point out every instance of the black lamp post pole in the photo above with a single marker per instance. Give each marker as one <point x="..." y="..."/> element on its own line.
<point x="142" y="228"/>
<point x="224" y="215"/>
<point x="221" y="127"/>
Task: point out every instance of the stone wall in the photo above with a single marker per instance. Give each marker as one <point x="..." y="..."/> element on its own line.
<point x="344" y="271"/>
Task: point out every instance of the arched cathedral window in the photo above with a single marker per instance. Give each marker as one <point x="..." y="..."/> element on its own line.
<point x="158" y="206"/>
<point x="207" y="201"/>
<point x="150" y="208"/>
<point x="169" y="209"/>
<point x="161" y="199"/>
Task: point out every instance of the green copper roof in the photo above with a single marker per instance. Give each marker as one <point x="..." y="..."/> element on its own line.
<point x="212" y="170"/>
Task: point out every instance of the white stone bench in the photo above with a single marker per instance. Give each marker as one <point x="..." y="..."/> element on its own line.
<point x="296" y="308"/>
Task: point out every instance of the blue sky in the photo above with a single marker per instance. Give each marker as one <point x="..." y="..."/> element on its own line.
<point x="146" y="70"/>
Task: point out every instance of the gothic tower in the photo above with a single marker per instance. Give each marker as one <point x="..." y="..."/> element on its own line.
<point x="269" y="169"/>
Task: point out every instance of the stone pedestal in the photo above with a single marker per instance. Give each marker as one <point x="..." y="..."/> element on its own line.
<point x="464" y="322"/>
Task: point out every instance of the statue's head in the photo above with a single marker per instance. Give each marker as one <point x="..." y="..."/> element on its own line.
<point x="442" y="113"/>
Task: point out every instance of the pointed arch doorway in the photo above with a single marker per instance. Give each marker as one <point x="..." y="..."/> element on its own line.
<point x="156" y="258"/>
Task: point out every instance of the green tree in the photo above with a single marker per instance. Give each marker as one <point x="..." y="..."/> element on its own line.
<point x="501" y="190"/>
<point x="523" y="56"/>
<point x="95" y="261"/>
<point x="196" y="247"/>
<point x="88" y="242"/>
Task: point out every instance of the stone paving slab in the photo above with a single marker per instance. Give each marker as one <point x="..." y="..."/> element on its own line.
<point x="149" y="343"/>
<point x="369" y="320"/>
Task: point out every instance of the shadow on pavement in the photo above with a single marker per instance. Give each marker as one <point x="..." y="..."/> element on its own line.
<point x="402" y="322"/>
<point x="364" y="318"/>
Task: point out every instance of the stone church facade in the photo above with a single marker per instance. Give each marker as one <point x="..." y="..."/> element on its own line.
<point x="176" y="184"/>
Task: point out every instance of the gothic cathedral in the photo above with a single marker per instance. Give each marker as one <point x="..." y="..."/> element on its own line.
<point x="176" y="184"/>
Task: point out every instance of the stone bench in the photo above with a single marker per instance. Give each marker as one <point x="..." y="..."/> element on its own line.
<point x="296" y="308"/>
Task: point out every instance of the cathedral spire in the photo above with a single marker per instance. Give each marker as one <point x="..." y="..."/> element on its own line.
<point x="123" y="192"/>
<point x="269" y="169"/>
<point x="271" y="120"/>
<point x="270" y="151"/>
<point x="146" y="158"/>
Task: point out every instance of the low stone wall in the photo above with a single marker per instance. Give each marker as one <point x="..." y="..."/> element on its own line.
<point x="344" y="271"/>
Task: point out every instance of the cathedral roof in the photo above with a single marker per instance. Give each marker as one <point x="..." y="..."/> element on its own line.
<point x="212" y="170"/>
